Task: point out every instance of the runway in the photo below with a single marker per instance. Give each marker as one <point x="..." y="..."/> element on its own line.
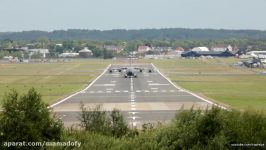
<point x="150" y="97"/>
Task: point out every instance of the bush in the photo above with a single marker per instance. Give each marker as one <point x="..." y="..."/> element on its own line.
<point x="27" y="118"/>
<point x="98" y="121"/>
<point x="95" y="120"/>
<point x="119" y="126"/>
<point x="213" y="129"/>
<point x="194" y="129"/>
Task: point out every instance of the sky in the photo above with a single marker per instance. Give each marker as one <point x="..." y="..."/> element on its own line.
<point x="49" y="15"/>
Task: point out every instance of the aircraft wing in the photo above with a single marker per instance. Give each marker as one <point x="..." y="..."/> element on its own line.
<point x="117" y="69"/>
<point x="141" y="69"/>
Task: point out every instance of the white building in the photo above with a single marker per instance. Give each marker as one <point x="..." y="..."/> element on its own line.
<point x="200" y="49"/>
<point x="143" y="49"/>
<point x="41" y="51"/>
<point x="85" y="52"/>
<point x="114" y="48"/>
<point x="222" y="48"/>
<point x="68" y="55"/>
<point x="259" y="54"/>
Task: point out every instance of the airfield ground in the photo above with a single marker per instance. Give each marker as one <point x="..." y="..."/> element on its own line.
<point x="146" y="99"/>
<point x="215" y="79"/>
<point x="52" y="80"/>
<point x="219" y="80"/>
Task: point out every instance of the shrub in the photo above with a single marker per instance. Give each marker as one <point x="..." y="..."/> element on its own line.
<point x="95" y="120"/>
<point x="213" y="129"/>
<point x="119" y="126"/>
<point x="99" y="121"/>
<point x="27" y="118"/>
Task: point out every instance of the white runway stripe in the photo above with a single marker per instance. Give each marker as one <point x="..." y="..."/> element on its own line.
<point x="132" y="94"/>
<point x="157" y="84"/>
<point x="104" y="85"/>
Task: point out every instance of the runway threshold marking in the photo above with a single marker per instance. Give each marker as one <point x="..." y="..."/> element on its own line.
<point x="136" y="91"/>
<point x="104" y="85"/>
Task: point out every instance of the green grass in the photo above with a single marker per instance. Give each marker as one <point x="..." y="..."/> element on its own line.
<point x="212" y="78"/>
<point x="52" y="80"/>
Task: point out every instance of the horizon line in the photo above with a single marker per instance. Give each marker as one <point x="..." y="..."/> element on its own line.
<point x="103" y="30"/>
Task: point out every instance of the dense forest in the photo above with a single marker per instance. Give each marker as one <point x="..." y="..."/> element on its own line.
<point x="142" y="34"/>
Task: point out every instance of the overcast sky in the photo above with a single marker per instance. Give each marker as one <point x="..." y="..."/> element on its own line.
<point x="48" y="15"/>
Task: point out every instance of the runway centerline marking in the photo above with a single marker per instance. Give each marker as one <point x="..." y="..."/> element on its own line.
<point x="132" y="99"/>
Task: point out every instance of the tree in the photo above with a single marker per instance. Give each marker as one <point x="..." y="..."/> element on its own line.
<point x="43" y="42"/>
<point x="97" y="52"/>
<point x="107" y="54"/>
<point x="118" y="124"/>
<point x="27" y="118"/>
<point x="95" y="120"/>
<point x="6" y="44"/>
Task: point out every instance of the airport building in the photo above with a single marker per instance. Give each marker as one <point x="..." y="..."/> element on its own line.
<point x="208" y="53"/>
<point x="43" y="52"/>
<point x="85" y="53"/>
<point x="200" y="49"/>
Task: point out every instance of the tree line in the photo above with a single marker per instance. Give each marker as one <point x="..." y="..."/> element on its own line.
<point x="142" y="34"/>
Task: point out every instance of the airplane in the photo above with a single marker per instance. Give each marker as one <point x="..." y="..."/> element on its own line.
<point x="130" y="71"/>
<point x="257" y="60"/>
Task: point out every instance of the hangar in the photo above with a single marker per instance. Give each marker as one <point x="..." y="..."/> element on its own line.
<point x="207" y="53"/>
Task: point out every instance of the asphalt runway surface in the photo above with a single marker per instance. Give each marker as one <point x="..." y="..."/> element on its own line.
<point x="149" y="98"/>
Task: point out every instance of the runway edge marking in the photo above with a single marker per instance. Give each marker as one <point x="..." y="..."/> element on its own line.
<point x="210" y="102"/>
<point x="53" y="105"/>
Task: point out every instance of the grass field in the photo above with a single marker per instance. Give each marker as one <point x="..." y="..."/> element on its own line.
<point x="215" y="79"/>
<point x="218" y="80"/>
<point x="52" y="80"/>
